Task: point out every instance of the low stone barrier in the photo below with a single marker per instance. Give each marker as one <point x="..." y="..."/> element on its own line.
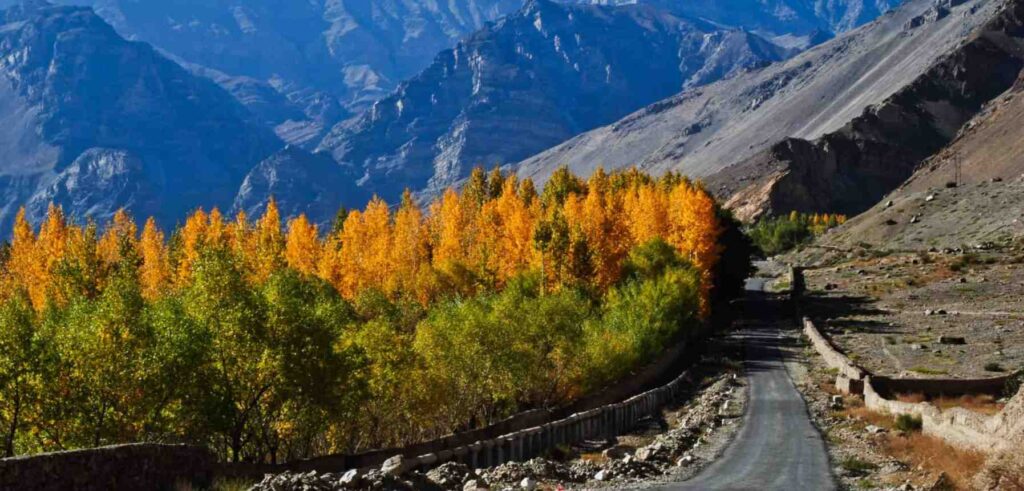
<point x="603" y="422"/>
<point x="120" y="467"/>
<point x="850" y="377"/>
<point x="958" y="426"/>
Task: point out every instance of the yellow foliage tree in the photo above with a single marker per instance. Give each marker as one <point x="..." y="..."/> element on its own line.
<point x="155" y="270"/>
<point x="302" y="247"/>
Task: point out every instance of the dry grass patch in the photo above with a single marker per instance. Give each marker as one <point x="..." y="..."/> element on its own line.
<point x="868" y="417"/>
<point x="979" y="403"/>
<point x="937" y="456"/>
<point x="984" y="404"/>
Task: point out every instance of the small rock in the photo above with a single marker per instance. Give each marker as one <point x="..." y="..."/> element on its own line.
<point x="837" y="402"/>
<point x="952" y="340"/>
<point x="889" y="204"/>
<point x="614" y="453"/>
<point x="930" y="197"/>
<point x="394" y="466"/>
<point x="874" y="430"/>
<point x="603" y="475"/>
<point x="685" y="459"/>
<point x="528" y="484"/>
<point x="350" y="479"/>
<point x="474" y="485"/>
<point x="917" y="347"/>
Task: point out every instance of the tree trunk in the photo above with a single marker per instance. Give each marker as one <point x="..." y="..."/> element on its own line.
<point x="9" y="442"/>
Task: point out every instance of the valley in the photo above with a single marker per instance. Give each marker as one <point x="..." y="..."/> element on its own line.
<point x="504" y="244"/>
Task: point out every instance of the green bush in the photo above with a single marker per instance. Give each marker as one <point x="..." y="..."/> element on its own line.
<point x="908" y="423"/>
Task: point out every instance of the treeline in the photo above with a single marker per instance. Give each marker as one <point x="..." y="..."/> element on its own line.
<point x="271" y="343"/>
<point x="780" y="234"/>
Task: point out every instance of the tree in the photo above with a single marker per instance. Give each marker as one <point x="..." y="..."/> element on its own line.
<point x="25" y="266"/>
<point x="22" y="349"/>
<point x="561" y="184"/>
<point x="302" y="247"/>
<point x="103" y="346"/>
<point x="410" y="251"/>
<point x="121" y="232"/>
<point x="268" y="247"/>
<point x="240" y="382"/>
<point x="155" y="270"/>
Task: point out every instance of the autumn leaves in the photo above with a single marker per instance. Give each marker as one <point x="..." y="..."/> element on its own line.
<point x="268" y="342"/>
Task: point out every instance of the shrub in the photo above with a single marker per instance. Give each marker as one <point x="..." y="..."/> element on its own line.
<point x="907" y="423"/>
<point x="777" y="235"/>
<point x="857" y="466"/>
<point x="994" y="367"/>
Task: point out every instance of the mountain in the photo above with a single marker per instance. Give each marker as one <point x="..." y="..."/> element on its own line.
<point x="976" y="185"/>
<point x="325" y="59"/>
<point x="890" y="71"/>
<point x="301" y="183"/>
<point x="531" y="81"/>
<point x="94" y="123"/>
<point x="790" y="23"/>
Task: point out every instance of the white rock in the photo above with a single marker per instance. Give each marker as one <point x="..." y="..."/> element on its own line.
<point x="528" y="484"/>
<point x="394" y="466"/>
<point x="473" y="485"/>
<point x="350" y="479"/>
<point x="603" y="475"/>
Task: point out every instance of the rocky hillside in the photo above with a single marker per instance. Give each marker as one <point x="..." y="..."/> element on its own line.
<point x="985" y="206"/>
<point x="701" y="132"/>
<point x="95" y="123"/>
<point x="531" y="81"/>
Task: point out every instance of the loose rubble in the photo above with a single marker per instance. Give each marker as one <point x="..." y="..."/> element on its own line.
<point x="667" y="453"/>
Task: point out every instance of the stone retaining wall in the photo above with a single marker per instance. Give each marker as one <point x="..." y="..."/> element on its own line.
<point x="121" y="467"/>
<point x="960" y="427"/>
<point x="603" y="422"/>
<point x="850" y="375"/>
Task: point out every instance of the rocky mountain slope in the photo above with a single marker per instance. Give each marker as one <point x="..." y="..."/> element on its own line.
<point x="701" y="132"/>
<point x="301" y="183"/>
<point x="788" y="23"/>
<point x="323" y="60"/>
<point x="849" y="170"/>
<point x="985" y="206"/>
<point x="530" y="81"/>
<point x="94" y="123"/>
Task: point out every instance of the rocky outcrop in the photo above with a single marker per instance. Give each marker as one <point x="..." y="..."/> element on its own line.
<point x="301" y="183"/>
<point x="531" y="81"/>
<point x="849" y="170"/>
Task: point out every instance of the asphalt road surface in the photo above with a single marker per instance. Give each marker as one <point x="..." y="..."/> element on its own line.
<point x="778" y="448"/>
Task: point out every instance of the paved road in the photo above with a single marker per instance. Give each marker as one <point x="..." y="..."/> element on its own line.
<point x="777" y="448"/>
